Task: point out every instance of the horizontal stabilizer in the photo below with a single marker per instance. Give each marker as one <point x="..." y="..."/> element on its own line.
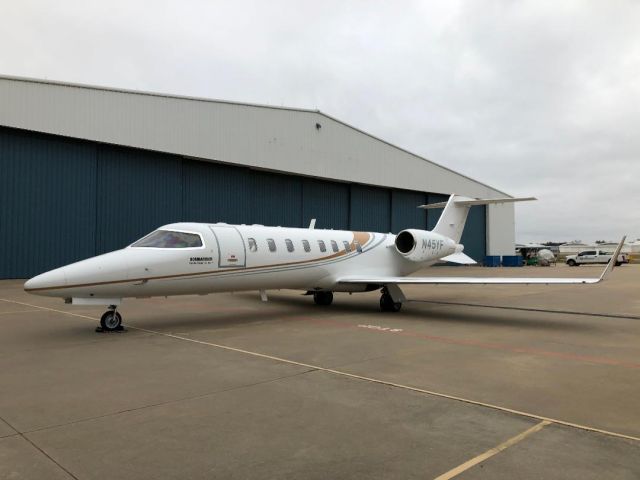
<point x="460" y="258"/>
<point x="480" y="201"/>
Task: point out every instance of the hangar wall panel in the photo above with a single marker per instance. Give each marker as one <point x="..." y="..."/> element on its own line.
<point x="474" y="236"/>
<point x="501" y="233"/>
<point x="216" y="193"/>
<point x="137" y="191"/>
<point x="405" y="212"/>
<point x="278" y="139"/>
<point x="327" y="202"/>
<point x="47" y="202"/>
<point x="370" y="209"/>
<point x="277" y="199"/>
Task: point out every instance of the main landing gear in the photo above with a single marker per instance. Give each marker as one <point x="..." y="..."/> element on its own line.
<point x="323" y="298"/>
<point x="387" y="304"/>
<point x="111" y="320"/>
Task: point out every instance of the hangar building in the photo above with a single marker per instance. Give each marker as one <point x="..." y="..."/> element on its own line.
<point x="85" y="170"/>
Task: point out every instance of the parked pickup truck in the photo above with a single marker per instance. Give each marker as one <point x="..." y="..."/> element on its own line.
<point x="594" y="256"/>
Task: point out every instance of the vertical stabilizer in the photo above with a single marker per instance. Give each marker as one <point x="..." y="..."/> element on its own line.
<point x="456" y="209"/>
<point x="453" y="217"/>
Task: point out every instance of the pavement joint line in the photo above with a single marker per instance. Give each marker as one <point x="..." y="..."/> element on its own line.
<point x="361" y="377"/>
<point x="160" y="404"/>
<point x="34" y="445"/>
<point x="491" y="452"/>
<point x="531" y="309"/>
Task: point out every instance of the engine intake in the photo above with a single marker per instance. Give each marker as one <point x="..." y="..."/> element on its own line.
<point x="422" y="246"/>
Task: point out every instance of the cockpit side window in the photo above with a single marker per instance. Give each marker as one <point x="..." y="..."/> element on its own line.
<point x="170" y="239"/>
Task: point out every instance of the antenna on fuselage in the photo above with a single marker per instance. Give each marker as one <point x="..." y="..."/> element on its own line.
<point x="312" y="224"/>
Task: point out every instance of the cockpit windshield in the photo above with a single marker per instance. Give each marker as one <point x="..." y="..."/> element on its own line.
<point x="170" y="239"/>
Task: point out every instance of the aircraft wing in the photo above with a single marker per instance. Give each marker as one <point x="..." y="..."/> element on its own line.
<point x="383" y="280"/>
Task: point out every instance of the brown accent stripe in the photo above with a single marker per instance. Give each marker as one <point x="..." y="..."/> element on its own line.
<point x="360" y="235"/>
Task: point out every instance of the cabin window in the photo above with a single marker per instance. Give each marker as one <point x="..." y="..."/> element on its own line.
<point x="358" y="247"/>
<point x="323" y="247"/>
<point x="334" y="245"/>
<point x="170" y="239"/>
<point x="272" y="244"/>
<point x="253" y="246"/>
<point x="289" y="244"/>
<point x="306" y="246"/>
<point x="347" y="247"/>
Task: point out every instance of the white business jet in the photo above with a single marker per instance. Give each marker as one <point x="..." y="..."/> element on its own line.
<point x="200" y="258"/>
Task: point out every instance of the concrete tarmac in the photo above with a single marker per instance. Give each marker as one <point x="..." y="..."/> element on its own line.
<point x="495" y="382"/>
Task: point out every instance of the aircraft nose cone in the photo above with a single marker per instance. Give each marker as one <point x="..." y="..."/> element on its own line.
<point x="47" y="280"/>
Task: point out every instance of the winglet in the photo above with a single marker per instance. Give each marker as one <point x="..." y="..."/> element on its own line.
<point x="614" y="259"/>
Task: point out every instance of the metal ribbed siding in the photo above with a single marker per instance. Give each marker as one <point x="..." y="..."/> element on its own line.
<point x="137" y="191"/>
<point x="474" y="236"/>
<point x="327" y="202"/>
<point x="272" y="138"/>
<point x="370" y="209"/>
<point x="47" y="202"/>
<point x="214" y="193"/>
<point x="405" y="212"/>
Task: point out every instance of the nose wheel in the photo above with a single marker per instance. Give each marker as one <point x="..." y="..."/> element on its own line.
<point x="111" y="320"/>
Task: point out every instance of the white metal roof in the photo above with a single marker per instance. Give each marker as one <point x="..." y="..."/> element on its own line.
<point x="260" y="136"/>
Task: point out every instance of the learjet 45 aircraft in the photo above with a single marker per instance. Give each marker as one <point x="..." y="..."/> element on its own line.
<point x="200" y="258"/>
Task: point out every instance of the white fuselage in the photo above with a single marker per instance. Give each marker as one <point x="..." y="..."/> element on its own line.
<point x="239" y="257"/>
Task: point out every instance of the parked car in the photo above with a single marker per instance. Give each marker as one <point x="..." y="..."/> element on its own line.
<point x="594" y="256"/>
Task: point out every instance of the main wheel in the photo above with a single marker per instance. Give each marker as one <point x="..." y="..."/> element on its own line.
<point x="572" y="263"/>
<point x="323" y="298"/>
<point x="110" y="321"/>
<point x="388" y="305"/>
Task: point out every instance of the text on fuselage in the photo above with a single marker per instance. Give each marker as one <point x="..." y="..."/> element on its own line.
<point x="432" y="244"/>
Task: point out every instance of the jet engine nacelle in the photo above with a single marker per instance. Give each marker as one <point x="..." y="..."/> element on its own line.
<point x="422" y="246"/>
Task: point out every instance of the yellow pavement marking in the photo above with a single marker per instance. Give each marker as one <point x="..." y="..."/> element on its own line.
<point x="359" y="377"/>
<point x="491" y="452"/>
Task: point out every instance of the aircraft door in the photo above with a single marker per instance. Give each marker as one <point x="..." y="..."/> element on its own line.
<point x="231" y="248"/>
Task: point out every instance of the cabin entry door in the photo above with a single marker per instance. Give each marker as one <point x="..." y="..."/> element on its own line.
<point x="231" y="247"/>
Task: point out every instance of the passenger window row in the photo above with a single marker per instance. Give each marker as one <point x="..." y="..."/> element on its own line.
<point x="271" y="244"/>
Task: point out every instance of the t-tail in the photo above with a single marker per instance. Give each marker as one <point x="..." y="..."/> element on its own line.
<point x="456" y="209"/>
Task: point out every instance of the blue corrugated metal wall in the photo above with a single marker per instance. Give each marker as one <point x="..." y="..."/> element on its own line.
<point x="47" y="202"/>
<point x="370" y="209"/>
<point x="327" y="202"/>
<point x="474" y="237"/>
<point x="136" y="192"/>
<point x="405" y="212"/>
<point x="62" y="200"/>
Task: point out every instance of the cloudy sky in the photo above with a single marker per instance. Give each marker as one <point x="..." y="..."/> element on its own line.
<point x="534" y="97"/>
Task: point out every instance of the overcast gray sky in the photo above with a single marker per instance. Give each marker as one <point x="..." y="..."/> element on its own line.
<point x="534" y="97"/>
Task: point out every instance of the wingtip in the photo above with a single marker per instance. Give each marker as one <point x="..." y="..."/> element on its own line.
<point x="612" y="263"/>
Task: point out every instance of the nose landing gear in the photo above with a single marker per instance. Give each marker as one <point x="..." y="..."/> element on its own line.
<point x="111" y="321"/>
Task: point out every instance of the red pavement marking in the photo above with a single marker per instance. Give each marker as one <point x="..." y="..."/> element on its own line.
<point x="488" y="346"/>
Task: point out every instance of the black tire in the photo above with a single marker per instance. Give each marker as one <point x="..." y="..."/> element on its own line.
<point x="388" y="305"/>
<point x="323" y="298"/>
<point x="618" y="264"/>
<point x="110" y="321"/>
<point x="572" y="263"/>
